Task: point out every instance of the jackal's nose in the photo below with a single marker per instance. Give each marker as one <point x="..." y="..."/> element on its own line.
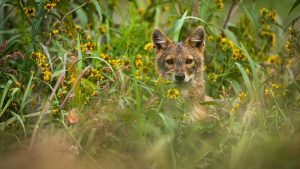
<point x="180" y="77"/>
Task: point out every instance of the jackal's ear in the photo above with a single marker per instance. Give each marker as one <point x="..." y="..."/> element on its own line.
<point x="197" y="38"/>
<point x="159" y="39"/>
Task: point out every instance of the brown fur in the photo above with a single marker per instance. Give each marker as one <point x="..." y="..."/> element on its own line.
<point x="183" y="63"/>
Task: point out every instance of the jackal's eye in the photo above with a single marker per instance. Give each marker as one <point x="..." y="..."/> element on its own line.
<point x="188" y="61"/>
<point x="170" y="61"/>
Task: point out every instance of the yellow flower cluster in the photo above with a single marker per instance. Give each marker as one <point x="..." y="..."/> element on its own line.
<point x="104" y="56"/>
<point x="141" y="11"/>
<point x="148" y="46"/>
<point x="267" y="15"/>
<point x="241" y="97"/>
<point x="274" y="60"/>
<point x="102" y="29"/>
<point x="173" y="93"/>
<point x="138" y="62"/>
<point x="220" y="4"/>
<point x="49" y="6"/>
<point x="116" y="63"/>
<point x="53" y="33"/>
<point x="95" y="74"/>
<point x="209" y="38"/>
<point x="212" y="77"/>
<point x="141" y="74"/>
<point x="275" y="90"/>
<point x="227" y="45"/>
<point x="144" y="66"/>
<point x="29" y="11"/>
<point x="287" y="46"/>
<point x="165" y="8"/>
<point x="72" y="79"/>
<point x="270" y="36"/>
<point x="40" y="58"/>
<point x="88" y="46"/>
<point x="237" y="54"/>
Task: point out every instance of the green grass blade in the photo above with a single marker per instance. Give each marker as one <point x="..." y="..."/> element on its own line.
<point x="19" y="119"/>
<point x="98" y="8"/>
<point x="178" y="26"/>
<point x="79" y="53"/>
<point x="6" y="88"/>
<point x="5" y="107"/>
<point x="25" y="96"/>
<point x="251" y="62"/>
<point x="245" y="78"/>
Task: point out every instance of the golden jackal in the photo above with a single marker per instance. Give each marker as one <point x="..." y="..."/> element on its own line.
<point x="183" y="63"/>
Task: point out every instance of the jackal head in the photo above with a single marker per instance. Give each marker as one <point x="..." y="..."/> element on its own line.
<point x="179" y="62"/>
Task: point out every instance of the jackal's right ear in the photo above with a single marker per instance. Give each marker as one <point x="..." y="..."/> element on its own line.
<point x="159" y="39"/>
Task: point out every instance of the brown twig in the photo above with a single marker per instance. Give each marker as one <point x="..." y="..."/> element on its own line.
<point x="45" y="109"/>
<point x="73" y="87"/>
<point x="232" y="9"/>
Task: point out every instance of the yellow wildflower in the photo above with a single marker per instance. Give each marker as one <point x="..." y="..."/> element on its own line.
<point x="276" y="86"/>
<point x="242" y="96"/>
<point x="94" y="93"/>
<point x="77" y="27"/>
<point x="49" y="6"/>
<point x="173" y="93"/>
<point x="247" y="70"/>
<point x="95" y="74"/>
<point x="116" y="63"/>
<point x="235" y="107"/>
<point x="138" y="74"/>
<point x="104" y="56"/>
<point x="269" y="92"/>
<point x="263" y="11"/>
<point x="287" y="46"/>
<point x="106" y="47"/>
<point x="274" y="59"/>
<point x="210" y="38"/>
<point x="41" y="59"/>
<point x="272" y="16"/>
<point x="29" y="11"/>
<point x="46" y="75"/>
<point x="220" y="4"/>
<point x="148" y="46"/>
<point x="212" y="77"/>
<point x="141" y="11"/>
<point x="165" y="8"/>
<point x="138" y="63"/>
<point x="102" y="29"/>
<point x="90" y="46"/>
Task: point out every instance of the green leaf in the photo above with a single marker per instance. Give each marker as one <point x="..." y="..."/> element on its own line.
<point x="296" y="3"/>
<point x="18" y="117"/>
<point x="5" y="92"/>
<point x="98" y="8"/>
<point x="178" y="26"/>
<point x="250" y="14"/>
<point x="245" y="78"/>
<point x="79" y="63"/>
<point x="26" y="94"/>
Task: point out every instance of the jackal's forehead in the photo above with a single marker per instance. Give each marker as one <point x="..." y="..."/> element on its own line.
<point x="176" y="51"/>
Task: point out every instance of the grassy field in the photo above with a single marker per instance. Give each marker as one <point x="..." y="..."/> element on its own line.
<point x="79" y="89"/>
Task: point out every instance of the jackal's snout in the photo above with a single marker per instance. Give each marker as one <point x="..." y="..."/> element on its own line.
<point x="179" y="77"/>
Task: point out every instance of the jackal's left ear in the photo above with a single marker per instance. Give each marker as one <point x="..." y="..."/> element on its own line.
<point x="197" y="39"/>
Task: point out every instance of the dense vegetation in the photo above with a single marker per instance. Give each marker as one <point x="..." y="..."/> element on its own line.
<point x="85" y="70"/>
